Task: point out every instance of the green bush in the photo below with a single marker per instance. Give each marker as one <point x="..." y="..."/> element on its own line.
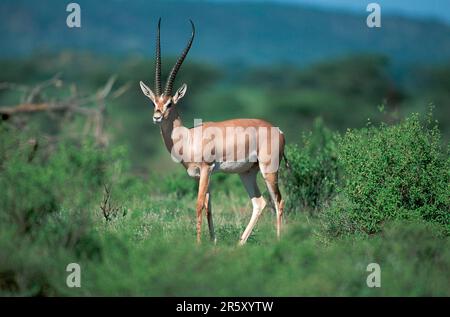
<point x="180" y="184"/>
<point x="311" y="180"/>
<point x="47" y="193"/>
<point x="391" y="172"/>
<point x="177" y="183"/>
<point x="38" y="178"/>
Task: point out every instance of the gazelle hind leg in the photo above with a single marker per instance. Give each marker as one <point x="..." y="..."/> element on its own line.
<point x="208" y="210"/>
<point x="258" y="202"/>
<point x="271" y="180"/>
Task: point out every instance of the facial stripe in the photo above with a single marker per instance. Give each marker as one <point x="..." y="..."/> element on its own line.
<point x="166" y="104"/>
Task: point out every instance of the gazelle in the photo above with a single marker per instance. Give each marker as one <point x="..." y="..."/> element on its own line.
<point x="229" y="136"/>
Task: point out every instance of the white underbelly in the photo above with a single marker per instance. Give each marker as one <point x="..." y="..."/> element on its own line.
<point x="232" y="167"/>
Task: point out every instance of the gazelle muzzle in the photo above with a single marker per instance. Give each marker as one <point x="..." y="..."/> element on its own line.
<point x="157" y="117"/>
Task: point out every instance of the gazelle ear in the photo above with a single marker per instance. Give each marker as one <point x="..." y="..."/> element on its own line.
<point x="179" y="94"/>
<point x="147" y="91"/>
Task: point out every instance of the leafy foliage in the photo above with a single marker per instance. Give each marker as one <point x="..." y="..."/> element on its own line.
<point x="391" y="178"/>
<point x="47" y="191"/>
<point x="392" y="172"/>
<point x="311" y="179"/>
<point x="149" y="249"/>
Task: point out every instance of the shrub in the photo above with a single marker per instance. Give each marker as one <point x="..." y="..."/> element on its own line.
<point x="180" y="184"/>
<point x="46" y="196"/>
<point x="38" y="179"/>
<point x="177" y="183"/>
<point x="391" y="172"/>
<point x="311" y="180"/>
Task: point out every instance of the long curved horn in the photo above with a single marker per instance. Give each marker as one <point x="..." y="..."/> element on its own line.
<point x="158" y="87"/>
<point x="176" y="67"/>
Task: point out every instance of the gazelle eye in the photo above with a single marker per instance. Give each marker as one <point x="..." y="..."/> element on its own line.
<point x="168" y="104"/>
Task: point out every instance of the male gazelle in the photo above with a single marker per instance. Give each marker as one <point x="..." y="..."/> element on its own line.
<point x="188" y="146"/>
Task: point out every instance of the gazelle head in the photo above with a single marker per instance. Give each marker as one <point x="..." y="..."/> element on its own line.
<point x="164" y="101"/>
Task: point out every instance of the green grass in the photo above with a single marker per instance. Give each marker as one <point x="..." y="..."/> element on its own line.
<point x="50" y="216"/>
<point x="151" y="251"/>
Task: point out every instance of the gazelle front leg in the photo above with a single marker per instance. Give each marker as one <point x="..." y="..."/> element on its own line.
<point x="203" y="185"/>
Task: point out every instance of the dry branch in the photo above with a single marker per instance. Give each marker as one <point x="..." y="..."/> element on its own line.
<point x="75" y="104"/>
<point x="31" y="107"/>
<point x="108" y="210"/>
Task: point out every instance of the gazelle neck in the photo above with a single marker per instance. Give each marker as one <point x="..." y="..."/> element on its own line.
<point x="167" y="127"/>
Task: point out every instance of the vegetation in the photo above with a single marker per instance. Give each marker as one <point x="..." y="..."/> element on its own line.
<point x="290" y="99"/>
<point x="375" y="192"/>
<point x="313" y="173"/>
<point x="392" y="172"/>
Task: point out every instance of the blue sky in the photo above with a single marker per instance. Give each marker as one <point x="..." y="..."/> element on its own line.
<point x="435" y="9"/>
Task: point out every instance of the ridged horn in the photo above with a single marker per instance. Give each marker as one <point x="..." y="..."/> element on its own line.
<point x="158" y="88"/>
<point x="176" y="67"/>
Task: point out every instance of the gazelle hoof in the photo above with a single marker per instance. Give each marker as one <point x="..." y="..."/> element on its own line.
<point x="241" y="243"/>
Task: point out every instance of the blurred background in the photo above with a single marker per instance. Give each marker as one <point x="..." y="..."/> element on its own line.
<point x="288" y="62"/>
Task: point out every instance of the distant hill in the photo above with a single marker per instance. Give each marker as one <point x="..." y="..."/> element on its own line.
<point x="227" y="33"/>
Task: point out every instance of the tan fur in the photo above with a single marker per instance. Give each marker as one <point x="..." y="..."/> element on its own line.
<point x="203" y="170"/>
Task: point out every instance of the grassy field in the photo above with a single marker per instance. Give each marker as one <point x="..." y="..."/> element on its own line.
<point x="143" y="240"/>
<point x="151" y="252"/>
<point x="358" y="192"/>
